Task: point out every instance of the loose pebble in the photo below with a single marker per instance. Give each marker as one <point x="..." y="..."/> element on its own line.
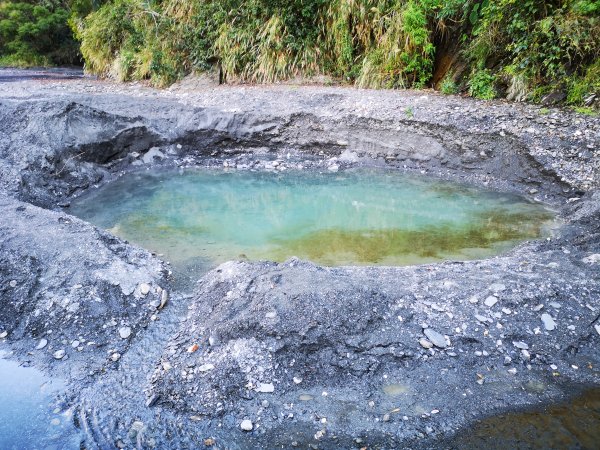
<point x="144" y="288"/>
<point x="425" y="343"/>
<point x="124" y="332"/>
<point x="521" y="345"/>
<point x="59" y="354"/>
<point x="548" y="322"/>
<point x="265" y="388"/>
<point x="42" y="344"/>
<point x="206" y="367"/>
<point x="436" y="338"/>
<point x="490" y="301"/>
<point x="246" y="425"/>
<point x="164" y="298"/>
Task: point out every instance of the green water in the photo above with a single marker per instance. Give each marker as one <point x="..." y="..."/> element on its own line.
<point x="206" y="217"/>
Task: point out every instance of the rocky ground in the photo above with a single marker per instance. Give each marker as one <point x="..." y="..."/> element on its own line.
<point x="264" y="355"/>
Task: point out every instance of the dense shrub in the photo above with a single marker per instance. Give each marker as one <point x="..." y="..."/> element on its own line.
<point x="519" y="49"/>
<point x="540" y="45"/>
<point x="36" y="33"/>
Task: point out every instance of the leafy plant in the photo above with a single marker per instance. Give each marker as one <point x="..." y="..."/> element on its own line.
<point x="481" y="85"/>
<point x="448" y="86"/>
<point x="36" y="33"/>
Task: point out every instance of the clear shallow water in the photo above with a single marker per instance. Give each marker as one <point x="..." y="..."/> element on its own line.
<point x="29" y="417"/>
<point x="201" y="218"/>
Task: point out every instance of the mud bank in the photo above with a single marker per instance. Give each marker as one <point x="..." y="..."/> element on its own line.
<point x="311" y="356"/>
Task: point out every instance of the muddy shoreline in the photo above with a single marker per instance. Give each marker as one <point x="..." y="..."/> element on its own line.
<point x="346" y="333"/>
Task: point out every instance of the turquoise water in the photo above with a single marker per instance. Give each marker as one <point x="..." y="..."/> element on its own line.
<point x="206" y="217"/>
<point x="29" y="416"/>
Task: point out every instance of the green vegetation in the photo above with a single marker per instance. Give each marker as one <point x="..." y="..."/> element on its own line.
<point x="36" y="33"/>
<point x="481" y="85"/>
<point x="521" y="50"/>
<point x="448" y="86"/>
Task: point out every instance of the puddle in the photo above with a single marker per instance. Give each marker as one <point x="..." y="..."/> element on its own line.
<point x="200" y="218"/>
<point x="30" y="417"/>
<point x="393" y="390"/>
<point x="573" y="425"/>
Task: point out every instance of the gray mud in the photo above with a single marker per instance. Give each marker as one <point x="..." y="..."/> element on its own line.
<point x="312" y="356"/>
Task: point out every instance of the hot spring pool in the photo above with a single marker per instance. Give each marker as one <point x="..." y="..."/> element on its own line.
<point x="201" y="218"/>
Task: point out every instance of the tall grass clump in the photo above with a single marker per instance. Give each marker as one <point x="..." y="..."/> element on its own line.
<point x="521" y="50"/>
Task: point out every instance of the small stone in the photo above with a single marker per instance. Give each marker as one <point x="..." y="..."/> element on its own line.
<point x="473" y="299"/>
<point x="13" y="283"/>
<point x="59" y="354"/>
<point x="297" y="380"/>
<point x="538" y="307"/>
<point x="265" y="388"/>
<point x="41" y="344"/>
<point x="271" y="315"/>
<point x="436" y="338"/>
<point x="193" y="348"/>
<point x="75" y="343"/>
<point x="124" y="332"/>
<point x="425" y="343"/>
<point x="507" y="360"/>
<point x="164" y="298"/>
<point x="115" y="357"/>
<point x="386" y="418"/>
<point x="592" y="259"/>
<point x="144" y="288"/>
<point x="206" y="367"/>
<point x="521" y="345"/>
<point x="3" y="334"/>
<point x="490" y="301"/>
<point x="152" y="400"/>
<point x="483" y="319"/>
<point x="497" y="287"/>
<point x="548" y="321"/>
<point x="512" y="371"/>
<point x="246" y="425"/>
<point x="597" y="328"/>
<point x="209" y="442"/>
